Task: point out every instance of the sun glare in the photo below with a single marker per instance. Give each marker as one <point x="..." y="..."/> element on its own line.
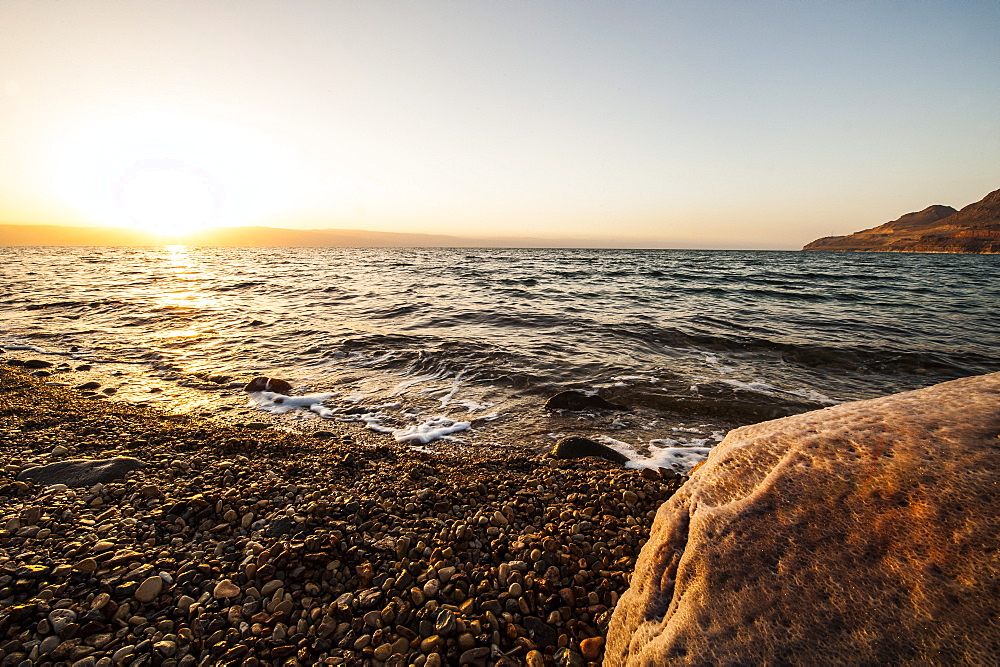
<point x="169" y="197"/>
<point x="173" y="174"/>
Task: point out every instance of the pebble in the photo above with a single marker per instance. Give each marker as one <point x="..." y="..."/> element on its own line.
<point x="225" y="589"/>
<point x="473" y="654"/>
<point x="591" y="648"/>
<point x="270" y="587"/>
<point x="149" y="589"/>
<point x="60" y="618"/>
<point x="268" y="548"/>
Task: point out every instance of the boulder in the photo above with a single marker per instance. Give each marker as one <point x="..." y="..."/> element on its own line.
<point x="575" y="447"/>
<point x="863" y="533"/>
<point x="81" y="472"/>
<point x="268" y="384"/>
<point x="575" y="400"/>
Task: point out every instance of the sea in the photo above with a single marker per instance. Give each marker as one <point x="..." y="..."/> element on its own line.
<point x="462" y="348"/>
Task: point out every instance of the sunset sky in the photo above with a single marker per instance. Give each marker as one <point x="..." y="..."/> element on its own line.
<point x="685" y="124"/>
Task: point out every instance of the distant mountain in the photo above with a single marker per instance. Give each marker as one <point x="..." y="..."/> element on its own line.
<point x="55" y="235"/>
<point x="974" y="229"/>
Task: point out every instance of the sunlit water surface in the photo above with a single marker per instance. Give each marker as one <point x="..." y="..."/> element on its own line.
<point x="400" y="336"/>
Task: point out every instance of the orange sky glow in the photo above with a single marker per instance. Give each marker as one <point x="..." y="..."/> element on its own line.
<point x="673" y="124"/>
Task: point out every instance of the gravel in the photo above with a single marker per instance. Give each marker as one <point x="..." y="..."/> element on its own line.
<point x="236" y="546"/>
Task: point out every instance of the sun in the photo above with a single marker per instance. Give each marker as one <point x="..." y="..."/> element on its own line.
<point x="173" y="173"/>
<point x="169" y="197"/>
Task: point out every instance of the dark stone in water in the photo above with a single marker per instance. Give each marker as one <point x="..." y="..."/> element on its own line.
<point x="86" y="386"/>
<point x="268" y="384"/>
<point x="575" y="447"/>
<point x="38" y="363"/>
<point x="15" y="362"/>
<point x="81" y="472"/>
<point x="575" y="400"/>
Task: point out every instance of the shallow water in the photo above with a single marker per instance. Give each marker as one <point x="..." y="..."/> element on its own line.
<point x="720" y="338"/>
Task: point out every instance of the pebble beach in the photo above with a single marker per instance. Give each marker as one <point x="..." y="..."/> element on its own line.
<point x="249" y="546"/>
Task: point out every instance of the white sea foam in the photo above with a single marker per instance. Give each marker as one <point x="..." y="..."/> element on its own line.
<point x="323" y="411"/>
<point x="432" y="429"/>
<point x="279" y="404"/>
<point x="679" y="458"/>
<point x="473" y="406"/>
<point x="25" y="348"/>
<point x="764" y="388"/>
<point x="371" y="420"/>
<point x="404" y="386"/>
<point x="446" y="399"/>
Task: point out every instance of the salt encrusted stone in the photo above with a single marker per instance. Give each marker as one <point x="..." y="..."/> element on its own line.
<point x="862" y="533"/>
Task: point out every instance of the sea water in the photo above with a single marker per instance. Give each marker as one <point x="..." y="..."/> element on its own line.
<point x="421" y="345"/>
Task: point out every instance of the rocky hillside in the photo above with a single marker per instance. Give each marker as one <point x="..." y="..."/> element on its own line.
<point x="974" y="229"/>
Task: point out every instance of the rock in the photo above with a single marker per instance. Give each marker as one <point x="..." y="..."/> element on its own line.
<point x="148" y="589"/>
<point x="150" y="491"/>
<point x="165" y="648"/>
<point x="836" y="535"/>
<point x="86" y="565"/>
<point x="81" y="472"/>
<point x="60" y="618"/>
<point x="473" y="654"/>
<point x="89" y="386"/>
<point x="268" y="384"/>
<point x="534" y="659"/>
<point x="37" y="363"/>
<point x="575" y="400"/>
<point x="225" y="589"/>
<point x="383" y="652"/>
<point x="575" y="447"/>
<point x="48" y="645"/>
<point x="31" y="515"/>
<point x="60" y="450"/>
<point x="445" y="623"/>
<point x="279" y="527"/>
<point x="591" y="648"/>
<point x="270" y="587"/>
<point x="540" y="632"/>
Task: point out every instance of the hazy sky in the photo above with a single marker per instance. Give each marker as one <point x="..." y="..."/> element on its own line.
<point x="695" y="124"/>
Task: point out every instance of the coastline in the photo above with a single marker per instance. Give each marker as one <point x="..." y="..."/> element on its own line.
<point x="265" y="547"/>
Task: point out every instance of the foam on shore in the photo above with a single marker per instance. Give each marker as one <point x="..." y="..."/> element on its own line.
<point x="678" y="455"/>
<point x="432" y="429"/>
<point x="279" y="404"/>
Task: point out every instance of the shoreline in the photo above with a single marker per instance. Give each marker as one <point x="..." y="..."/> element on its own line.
<point x="266" y="547"/>
<point x="524" y="424"/>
